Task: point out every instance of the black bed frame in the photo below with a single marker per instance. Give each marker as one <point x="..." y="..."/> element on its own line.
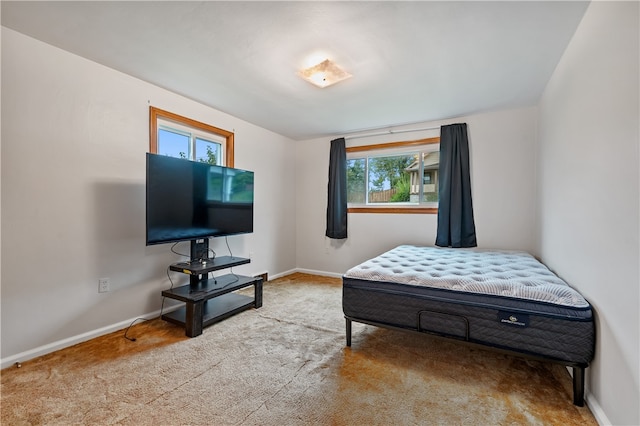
<point x="578" y="368"/>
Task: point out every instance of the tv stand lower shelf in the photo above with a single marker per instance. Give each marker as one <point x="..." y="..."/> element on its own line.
<point x="211" y="300"/>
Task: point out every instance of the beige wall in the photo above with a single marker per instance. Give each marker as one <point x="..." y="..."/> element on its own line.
<point x="588" y="199"/>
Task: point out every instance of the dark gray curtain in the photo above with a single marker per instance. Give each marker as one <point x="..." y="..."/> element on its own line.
<point x="456" y="227"/>
<point x="337" y="192"/>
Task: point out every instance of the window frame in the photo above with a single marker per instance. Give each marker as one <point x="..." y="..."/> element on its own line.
<point x="405" y="209"/>
<point x="156" y="114"/>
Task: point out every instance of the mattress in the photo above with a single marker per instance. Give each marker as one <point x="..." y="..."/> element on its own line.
<point x="503" y="299"/>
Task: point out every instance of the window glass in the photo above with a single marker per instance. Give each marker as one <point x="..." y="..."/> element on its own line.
<point x="389" y="179"/>
<point x="394" y="177"/>
<point x="172" y="143"/>
<point x="356" y="182"/>
<point x="180" y="141"/>
<point x="431" y="164"/>
<point x="207" y="151"/>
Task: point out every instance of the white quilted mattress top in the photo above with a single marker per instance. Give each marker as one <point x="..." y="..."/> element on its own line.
<point x="499" y="273"/>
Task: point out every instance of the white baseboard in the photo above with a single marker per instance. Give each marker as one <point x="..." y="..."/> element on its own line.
<point x="305" y="271"/>
<point x="74" y="340"/>
<point x="596" y="410"/>
<point x="321" y="273"/>
<point x="282" y="274"/>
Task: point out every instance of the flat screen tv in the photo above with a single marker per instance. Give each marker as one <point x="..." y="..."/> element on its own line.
<point x="189" y="200"/>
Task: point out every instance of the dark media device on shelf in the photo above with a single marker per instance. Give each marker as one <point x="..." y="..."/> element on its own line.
<point x="194" y="201"/>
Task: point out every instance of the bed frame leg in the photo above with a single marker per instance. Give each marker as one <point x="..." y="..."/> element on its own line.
<point x="348" y="331"/>
<point x="578" y="386"/>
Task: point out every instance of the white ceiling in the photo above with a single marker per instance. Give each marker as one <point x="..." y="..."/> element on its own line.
<point x="411" y="61"/>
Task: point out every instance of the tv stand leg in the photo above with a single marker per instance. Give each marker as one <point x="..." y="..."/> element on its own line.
<point x="257" y="293"/>
<point x="193" y="319"/>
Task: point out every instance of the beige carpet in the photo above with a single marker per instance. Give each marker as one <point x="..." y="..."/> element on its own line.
<point x="285" y="364"/>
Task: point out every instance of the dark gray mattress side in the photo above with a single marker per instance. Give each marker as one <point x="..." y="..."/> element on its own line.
<point x="559" y="332"/>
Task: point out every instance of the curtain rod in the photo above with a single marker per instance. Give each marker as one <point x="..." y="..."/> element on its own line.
<point x="390" y="132"/>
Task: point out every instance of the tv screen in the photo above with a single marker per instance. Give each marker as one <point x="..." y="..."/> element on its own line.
<point x="189" y="200"/>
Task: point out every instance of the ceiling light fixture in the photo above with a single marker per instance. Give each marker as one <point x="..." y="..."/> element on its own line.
<point x="324" y="74"/>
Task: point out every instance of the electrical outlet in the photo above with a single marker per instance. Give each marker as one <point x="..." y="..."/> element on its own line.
<point x="104" y="285"/>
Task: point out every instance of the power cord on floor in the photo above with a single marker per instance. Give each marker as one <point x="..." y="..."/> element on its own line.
<point x="132" y="339"/>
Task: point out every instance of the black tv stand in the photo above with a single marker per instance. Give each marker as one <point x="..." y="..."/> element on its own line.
<point x="210" y="300"/>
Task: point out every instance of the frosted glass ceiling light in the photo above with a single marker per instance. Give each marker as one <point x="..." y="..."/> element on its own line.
<point x="324" y="74"/>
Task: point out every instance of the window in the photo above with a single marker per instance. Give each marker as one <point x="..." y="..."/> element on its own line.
<point x="396" y="177"/>
<point x="176" y="141"/>
<point x="177" y="136"/>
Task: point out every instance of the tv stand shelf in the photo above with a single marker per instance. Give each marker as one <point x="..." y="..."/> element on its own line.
<point x="209" y="300"/>
<point x="197" y="267"/>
